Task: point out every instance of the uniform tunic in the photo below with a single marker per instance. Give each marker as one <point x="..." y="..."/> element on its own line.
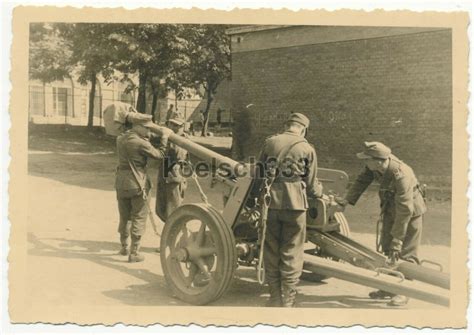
<point x="170" y="188"/>
<point x="131" y="203"/>
<point x="402" y="205"/>
<point x="286" y="222"/>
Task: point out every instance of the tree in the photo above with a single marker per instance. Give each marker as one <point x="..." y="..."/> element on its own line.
<point x="93" y="52"/>
<point x="158" y="90"/>
<point x="149" y="49"/>
<point x="208" y="61"/>
<point x="49" y="55"/>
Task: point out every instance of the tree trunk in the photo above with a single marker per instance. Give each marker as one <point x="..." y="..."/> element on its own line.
<point x="90" y="120"/>
<point x="175" y="100"/>
<point x="154" y="104"/>
<point x="141" y="101"/>
<point x="206" y="112"/>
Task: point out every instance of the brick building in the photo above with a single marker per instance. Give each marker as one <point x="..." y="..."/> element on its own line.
<point x="355" y="83"/>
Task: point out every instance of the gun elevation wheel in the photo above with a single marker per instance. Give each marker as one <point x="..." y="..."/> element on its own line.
<point x="343" y="224"/>
<point x="197" y="254"/>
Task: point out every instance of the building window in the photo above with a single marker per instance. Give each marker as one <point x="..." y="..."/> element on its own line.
<point x="60" y="99"/>
<point x="36" y="100"/>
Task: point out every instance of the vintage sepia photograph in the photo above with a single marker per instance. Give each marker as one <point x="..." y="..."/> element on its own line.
<point x="238" y="172"/>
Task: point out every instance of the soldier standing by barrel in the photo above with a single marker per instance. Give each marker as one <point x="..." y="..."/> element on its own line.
<point x="402" y="207"/>
<point x="133" y="184"/>
<point x="295" y="180"/>
<point x="171" y="184"/>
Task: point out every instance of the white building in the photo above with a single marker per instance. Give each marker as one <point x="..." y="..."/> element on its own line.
<point x="67" y="101"/>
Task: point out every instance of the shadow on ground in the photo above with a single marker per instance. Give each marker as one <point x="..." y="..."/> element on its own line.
<point x="244" y="290"/>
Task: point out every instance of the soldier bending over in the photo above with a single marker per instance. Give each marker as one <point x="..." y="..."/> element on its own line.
<point x="402" y="207"/>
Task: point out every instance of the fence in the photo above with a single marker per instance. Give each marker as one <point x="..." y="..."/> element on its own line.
<point x="59" y="105"/>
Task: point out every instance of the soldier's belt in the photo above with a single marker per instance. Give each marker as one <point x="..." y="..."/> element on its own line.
<point x="282" y="181"/>
<point x="127" y="168"/>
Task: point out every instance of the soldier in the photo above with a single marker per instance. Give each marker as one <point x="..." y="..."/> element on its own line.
<point x="169" y="113"/>
<point x="133" y="184"/>
<point x="402" y="207"/>
<point x="286" y="222"/>
<point x="171" y="184"/>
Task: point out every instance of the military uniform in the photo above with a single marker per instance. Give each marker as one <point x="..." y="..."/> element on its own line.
<point x="171" y="188"/>
<point x="286" y="221"/>
<point x="401" y="202"/>
<point x="131" y="201"/>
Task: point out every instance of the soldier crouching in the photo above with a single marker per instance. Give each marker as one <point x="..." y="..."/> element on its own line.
<point x="132" y="184"/>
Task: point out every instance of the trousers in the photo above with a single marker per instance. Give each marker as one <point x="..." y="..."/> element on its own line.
<point x="132" y="207"/>
<point x="169" y="196"/>
<point x="412" y="240"/>
<point x="284" y="246"/>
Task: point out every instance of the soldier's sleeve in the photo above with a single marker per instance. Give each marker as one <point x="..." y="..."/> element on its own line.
<point x="363" y="180"/>
<point x="314" y="189"/>
<point x="403" y="207"/>
<point x="148" y="150"/>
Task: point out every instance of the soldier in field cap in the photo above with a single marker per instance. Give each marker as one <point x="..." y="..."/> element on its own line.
<point x="295" y="181"/>
<point x="402" y="206"/>
<point x="171" y="184"/>
<point x="133" y="184"/>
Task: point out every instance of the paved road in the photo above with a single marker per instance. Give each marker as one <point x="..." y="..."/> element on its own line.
<point x="72" y="255"/>
<point x="73" y="243"/>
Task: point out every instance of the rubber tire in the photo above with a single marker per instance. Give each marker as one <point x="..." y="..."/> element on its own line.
<point x="226" y="260"/>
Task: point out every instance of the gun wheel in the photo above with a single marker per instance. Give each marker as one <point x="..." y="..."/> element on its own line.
<point x="197" y="254"/>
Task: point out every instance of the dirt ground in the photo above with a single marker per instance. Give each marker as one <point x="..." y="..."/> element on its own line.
<point x="73" y="242"/>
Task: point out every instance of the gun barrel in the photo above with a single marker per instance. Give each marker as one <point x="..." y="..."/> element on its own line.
<point x="205" y="154"/>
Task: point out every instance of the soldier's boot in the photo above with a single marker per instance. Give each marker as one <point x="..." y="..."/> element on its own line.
<point x="124" y="242"/>
<point x="380" y="294"/>
<point x="289" y="296"/>
<point x="134" y="255"/>
<point x="275" y="295"/>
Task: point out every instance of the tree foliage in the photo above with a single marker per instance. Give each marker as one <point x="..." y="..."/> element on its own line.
<point x="165" y="57"/>
<point x="49" y="56"/>
<point x="208" y="57"/>
<point x="148" y="50"/>
<point x="92" y="52"/>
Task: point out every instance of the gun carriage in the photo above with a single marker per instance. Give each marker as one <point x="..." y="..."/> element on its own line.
<point x="201" y="247"/>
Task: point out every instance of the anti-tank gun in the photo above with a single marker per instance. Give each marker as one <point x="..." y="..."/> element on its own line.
<point x="201" y="246"/>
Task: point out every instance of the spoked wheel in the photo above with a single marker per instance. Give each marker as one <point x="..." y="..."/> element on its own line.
<point x="197" y="254"/>
<point x="343" y="224"/>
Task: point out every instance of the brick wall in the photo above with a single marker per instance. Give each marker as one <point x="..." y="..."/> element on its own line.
<point x="394" y="89"/>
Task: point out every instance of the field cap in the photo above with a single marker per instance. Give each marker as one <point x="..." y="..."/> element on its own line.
<point x="300" y="118"/>
<point x="374" y="150"/>
<point x="144" y="122"/>
<point x="177" y="120"/>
